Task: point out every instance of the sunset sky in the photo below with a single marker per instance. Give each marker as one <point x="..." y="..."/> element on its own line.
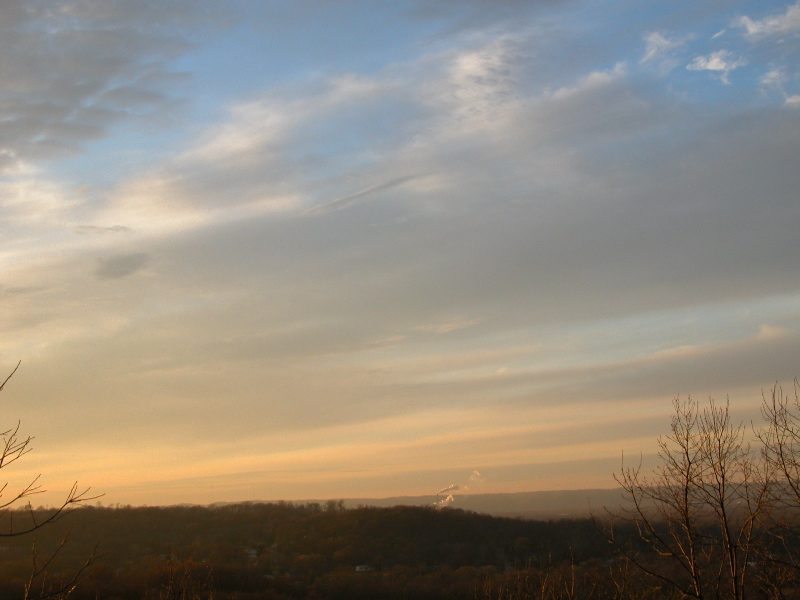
<point x="327" y="249"/>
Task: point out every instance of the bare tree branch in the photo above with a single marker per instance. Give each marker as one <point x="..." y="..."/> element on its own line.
<point x="12" y="448"/>
<point x="2" y="385"/>
<point x="697" y="513"/>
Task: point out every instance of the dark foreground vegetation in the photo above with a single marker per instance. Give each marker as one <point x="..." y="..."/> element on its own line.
<point x="282" y="551"/>
<point x="250" y="551"/>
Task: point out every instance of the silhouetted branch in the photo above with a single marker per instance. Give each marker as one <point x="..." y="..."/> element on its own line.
<point x="12" y="448"/>
<point x="47" y="588"/>
<point x="2" y="385"/>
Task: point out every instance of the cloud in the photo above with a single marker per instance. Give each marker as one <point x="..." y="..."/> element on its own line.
<point x="74" y="68"/>
<point x="100" y="230"/>
<point x="659" y="47"/>
<point x="117" y="267"/>
<point x="719" y="61"/>
<point x="700" y="369"/>
<point x="543" y="200"/>
<point x="482" y="79"/>
<point x="774" y="78"/>
<point x="498" y="229"/>
<point x="29" y="197"/>
<point x="351" y="199"/>
<point x="783" y="24"/>
<point x="448" y="326"/>
<point x="255" y="161"/>
<point x="593" y="81"/>
<point x="17" y="291"/>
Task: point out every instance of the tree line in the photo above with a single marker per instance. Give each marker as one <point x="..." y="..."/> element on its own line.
<point x="283" y="550"/>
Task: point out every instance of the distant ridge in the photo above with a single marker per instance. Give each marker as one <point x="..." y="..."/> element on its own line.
<point x="539" y="505"/>
<point x="556" y="504"/>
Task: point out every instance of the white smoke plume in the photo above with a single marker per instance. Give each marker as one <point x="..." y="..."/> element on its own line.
<point x="475" y="478"/>
<point x="444" y="502"/>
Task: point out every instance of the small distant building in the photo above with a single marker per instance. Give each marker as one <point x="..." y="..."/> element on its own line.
<point x="364" y="569"/>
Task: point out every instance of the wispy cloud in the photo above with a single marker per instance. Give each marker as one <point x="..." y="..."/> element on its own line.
<point x="71" y="70"/>
<point x="100" y="229"/>
<point x="721" y="62"/>
<point x="116" y="267"/>
<point x="351" y="199"/>
<point x="786" y="23"/>
<point x="662" y="49"/>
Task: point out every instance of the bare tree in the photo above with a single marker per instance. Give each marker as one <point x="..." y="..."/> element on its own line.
<point x="780" y="438"/>
<point x="696" y="516"/>
<point x="39" y="585"/>
<point x="781" y="441"/>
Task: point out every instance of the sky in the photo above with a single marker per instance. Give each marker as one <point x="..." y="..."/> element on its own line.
<point x="262" y="250"/>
